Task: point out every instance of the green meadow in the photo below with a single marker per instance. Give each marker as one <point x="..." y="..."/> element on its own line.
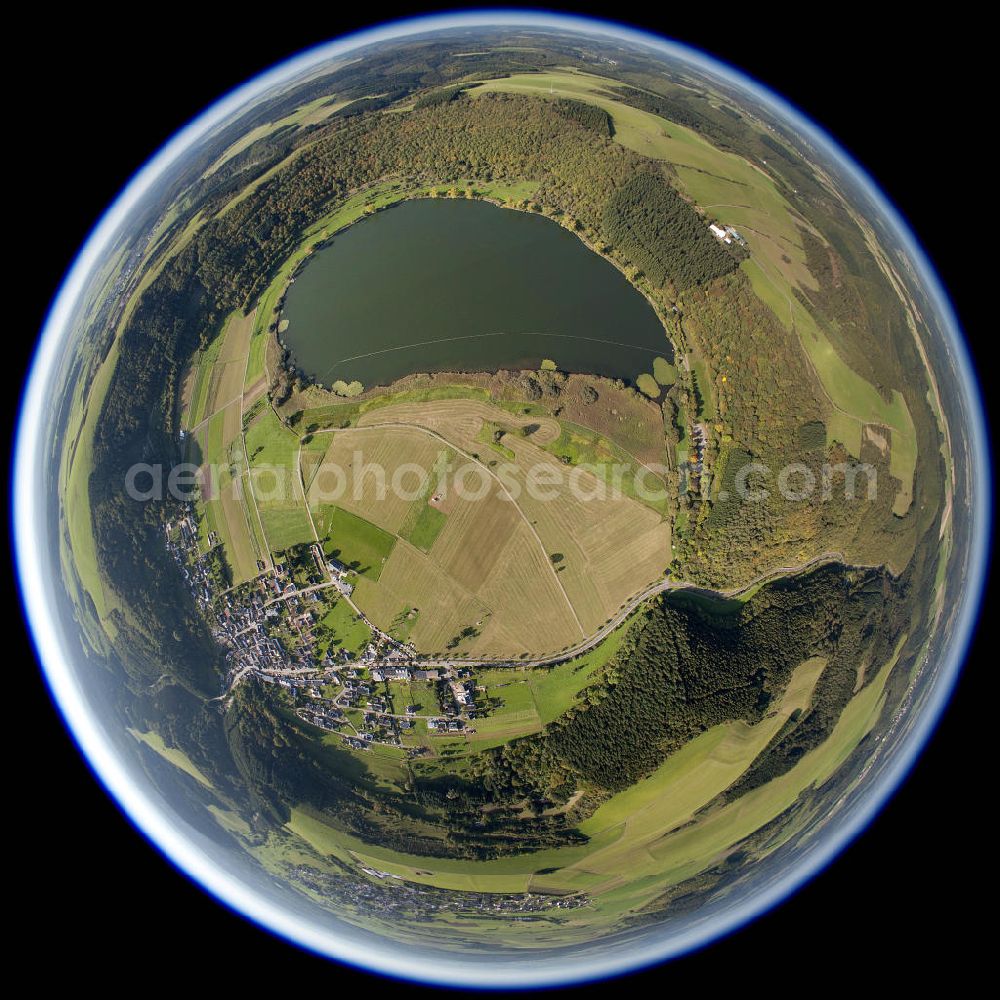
<point x="172" y="755"/>
<point x="353" y="540"/>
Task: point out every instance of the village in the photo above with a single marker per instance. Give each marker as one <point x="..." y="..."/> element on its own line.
<point x="295" y="626"/>
<point x="389" y="896"/>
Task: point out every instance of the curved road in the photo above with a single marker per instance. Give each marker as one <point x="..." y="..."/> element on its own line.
<point x="613" y="623"/>
<point x="593" y="640"/>
<point x="570" y="653"/>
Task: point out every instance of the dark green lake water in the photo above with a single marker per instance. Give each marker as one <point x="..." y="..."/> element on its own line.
<point x="449" y="285"/>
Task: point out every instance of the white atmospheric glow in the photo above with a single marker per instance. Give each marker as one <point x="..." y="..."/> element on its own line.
<point x="39" y="580"/>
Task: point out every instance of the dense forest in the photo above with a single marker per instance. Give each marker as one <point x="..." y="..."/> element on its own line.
<point x="588" y="115"/>
<point x="690" y="664"/>
<point x="443" y="96"/>
<point x="661" y="234"/>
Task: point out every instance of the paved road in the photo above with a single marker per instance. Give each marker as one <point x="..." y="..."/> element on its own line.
<point x="610" y="626"/>
<point x="602" y="633"/>
<point x="298" y="592"/>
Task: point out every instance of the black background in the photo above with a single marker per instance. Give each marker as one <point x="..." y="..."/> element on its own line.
<point x="909" y="99"/>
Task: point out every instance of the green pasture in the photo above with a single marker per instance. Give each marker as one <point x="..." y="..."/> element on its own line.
<point x="355" y="541"/>
<point x="173" y="755"/>
<point x="285" y="527"/>
<point x="349" y="631"/>
<point x="423" y="528"/>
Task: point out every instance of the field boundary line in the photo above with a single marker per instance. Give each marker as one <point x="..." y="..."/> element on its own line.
<point x="493" y="475"/>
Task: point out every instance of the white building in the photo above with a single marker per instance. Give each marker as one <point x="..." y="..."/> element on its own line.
<point x="719" y="233"/>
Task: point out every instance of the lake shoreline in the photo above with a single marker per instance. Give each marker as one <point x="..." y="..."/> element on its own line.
<point x="530" y="355"/>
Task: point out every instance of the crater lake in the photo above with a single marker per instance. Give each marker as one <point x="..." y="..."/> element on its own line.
<point x="462" y="285"/>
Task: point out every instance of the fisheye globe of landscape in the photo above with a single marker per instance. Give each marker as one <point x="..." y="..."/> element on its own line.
<point x="501" y="499"/>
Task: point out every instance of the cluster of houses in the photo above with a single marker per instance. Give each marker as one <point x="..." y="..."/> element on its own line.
<point x="381" y="722"/>
<point x="182" y="544"/>
<point x="268" y="624"/>
<point x="699" y="439"/>
<point x="446" y="725"/>
<point x="323" y="715"/>
<point x="382" y="894"/>
<point x="269" y="628"/>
